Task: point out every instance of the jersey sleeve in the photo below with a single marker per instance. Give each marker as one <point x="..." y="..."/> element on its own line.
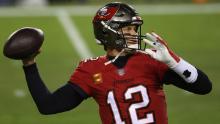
<point x="82" y="78"/>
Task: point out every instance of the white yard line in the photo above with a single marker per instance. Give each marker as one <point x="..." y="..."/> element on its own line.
<point x="74" y="35"/>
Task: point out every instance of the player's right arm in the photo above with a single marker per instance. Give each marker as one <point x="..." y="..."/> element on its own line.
<point x="63" y="99"/>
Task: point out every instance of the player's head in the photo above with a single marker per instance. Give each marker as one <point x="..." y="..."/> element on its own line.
<point x="117" y="26"/>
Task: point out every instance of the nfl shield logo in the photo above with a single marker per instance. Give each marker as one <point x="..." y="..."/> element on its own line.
<point x="121" y="72"/>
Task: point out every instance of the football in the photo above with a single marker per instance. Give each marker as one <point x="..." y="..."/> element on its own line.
<point x="23" y="43"/>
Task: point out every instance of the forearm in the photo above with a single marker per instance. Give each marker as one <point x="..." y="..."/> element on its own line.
<point x="202" y="84"/>
<point x="63" y="99"/>
<point x="37" y="88"/>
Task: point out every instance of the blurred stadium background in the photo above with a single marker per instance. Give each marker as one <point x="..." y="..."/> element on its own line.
<point x="192" y="28"/>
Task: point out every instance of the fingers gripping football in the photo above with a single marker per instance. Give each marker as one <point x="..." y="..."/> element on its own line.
<point x="160" y="50"/>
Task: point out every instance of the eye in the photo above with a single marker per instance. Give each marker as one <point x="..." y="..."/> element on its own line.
<point x="135" y="28"/>
<point x="129" y="28"/>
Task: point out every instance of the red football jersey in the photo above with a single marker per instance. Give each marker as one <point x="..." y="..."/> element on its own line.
<point x="130" y="95"/>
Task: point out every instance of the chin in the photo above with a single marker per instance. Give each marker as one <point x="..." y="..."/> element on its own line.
<point x="133" y="46"/>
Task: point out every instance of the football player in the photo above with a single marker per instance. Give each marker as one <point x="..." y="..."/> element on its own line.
<point x="127" y="82"/>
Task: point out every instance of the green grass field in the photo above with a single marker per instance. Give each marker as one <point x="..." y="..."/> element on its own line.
<point x="194" y="37"/>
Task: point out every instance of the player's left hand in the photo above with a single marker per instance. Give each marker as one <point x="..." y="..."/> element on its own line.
<point x="160" y="51"/>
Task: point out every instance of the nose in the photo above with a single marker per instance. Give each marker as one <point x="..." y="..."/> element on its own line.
<point x="133" y="32"/>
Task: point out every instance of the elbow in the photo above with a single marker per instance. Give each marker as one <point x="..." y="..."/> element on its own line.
<point x="204" y="85"/>
<point x="206" y="90"/>
<point x="203" y="88"/>
<point x="45" y="112"/>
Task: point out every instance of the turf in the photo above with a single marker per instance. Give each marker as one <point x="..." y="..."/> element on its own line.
<point x="194" y="37"/>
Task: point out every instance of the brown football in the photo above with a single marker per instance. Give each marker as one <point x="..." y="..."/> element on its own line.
<point x="23" y="43"/>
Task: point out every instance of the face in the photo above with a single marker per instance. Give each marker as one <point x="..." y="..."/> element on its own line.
<point x="130" y="34"/>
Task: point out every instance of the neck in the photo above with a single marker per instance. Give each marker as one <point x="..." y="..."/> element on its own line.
<point x="114" y="52"/>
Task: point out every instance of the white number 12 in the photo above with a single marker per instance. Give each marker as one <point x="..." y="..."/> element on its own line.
<point x="133" y="107"/>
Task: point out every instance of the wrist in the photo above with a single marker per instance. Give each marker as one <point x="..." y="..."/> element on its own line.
<point x="171" y="63"/>
<point x="28" y="62"/>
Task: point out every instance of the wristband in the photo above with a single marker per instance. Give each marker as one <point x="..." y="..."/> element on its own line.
<point x="187" y="71"/>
